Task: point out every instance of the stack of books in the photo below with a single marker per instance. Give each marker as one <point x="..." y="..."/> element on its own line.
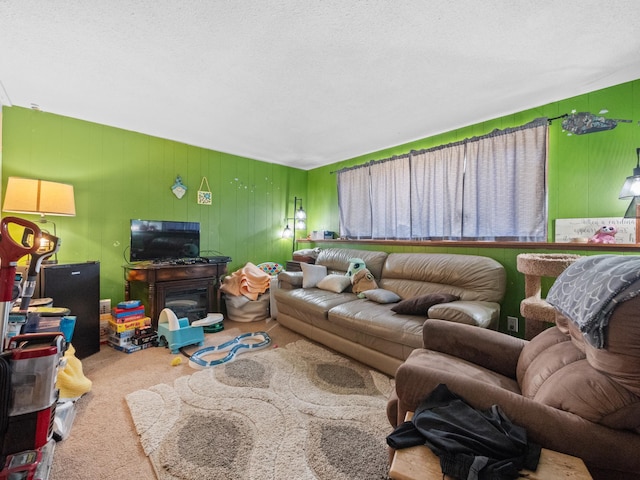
<point x="127" y="320"/>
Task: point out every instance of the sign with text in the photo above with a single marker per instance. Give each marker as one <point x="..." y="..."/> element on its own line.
<point x="577" y="229"/>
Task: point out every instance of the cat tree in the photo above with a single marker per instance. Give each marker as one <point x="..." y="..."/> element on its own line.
<point x="535" y="310"/>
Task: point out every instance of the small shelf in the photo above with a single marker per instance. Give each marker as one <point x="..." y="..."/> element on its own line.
<point x="627" y="247"/>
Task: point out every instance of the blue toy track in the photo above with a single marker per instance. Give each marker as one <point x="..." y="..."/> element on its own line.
<point x="234" y="347"/>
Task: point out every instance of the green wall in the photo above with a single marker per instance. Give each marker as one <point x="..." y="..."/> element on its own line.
<point x="585" y="174"/>
<point x="118" y="175"/>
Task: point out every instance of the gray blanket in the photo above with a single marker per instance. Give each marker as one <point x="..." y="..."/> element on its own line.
<point x="589" y="290"/>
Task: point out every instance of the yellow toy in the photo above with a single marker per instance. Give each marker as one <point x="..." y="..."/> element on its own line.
<point x="71" y="380"/>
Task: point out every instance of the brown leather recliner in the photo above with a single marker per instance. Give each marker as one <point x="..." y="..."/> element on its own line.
<point x="570" y="396"/>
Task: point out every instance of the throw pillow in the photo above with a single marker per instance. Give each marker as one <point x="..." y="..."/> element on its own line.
<point x="271" y="268"/>
<point x="420" y="305"/>
<point x="334" y="283"/>
<point x="312" y="274"/>
<point x="380" y="295"/>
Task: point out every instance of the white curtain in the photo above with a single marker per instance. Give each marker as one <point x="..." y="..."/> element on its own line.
<point x="504" y="187"/>
<point x="354" y="199"/>
<point x="436" y="193"/>
<point x="391" y="199"/>
<point x="484" y="188"/>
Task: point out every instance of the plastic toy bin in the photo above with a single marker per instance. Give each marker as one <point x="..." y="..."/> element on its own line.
<point x="38" y="322"/>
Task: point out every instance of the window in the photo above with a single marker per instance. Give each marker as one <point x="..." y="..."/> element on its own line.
<point x="484" y="188"/>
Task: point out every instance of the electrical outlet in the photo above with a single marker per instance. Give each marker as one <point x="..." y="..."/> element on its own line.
<point x="512" y="324"/>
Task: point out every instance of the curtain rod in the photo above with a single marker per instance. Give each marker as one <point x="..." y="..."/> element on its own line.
<point x="494" y="133"/>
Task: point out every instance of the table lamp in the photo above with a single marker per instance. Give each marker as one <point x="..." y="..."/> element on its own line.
<point x="39" y="197"/>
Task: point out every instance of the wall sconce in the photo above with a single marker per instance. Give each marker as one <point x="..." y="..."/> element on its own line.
<point x="299" y="222"/>
<point x="31" y="196"/>
<point x="631" y="189"/>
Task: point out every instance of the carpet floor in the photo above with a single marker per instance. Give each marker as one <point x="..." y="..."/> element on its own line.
<point x="103" y="442"/>
<point x="298" y="411"/>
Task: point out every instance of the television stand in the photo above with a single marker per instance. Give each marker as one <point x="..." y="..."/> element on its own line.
<point x="190" y="290"/>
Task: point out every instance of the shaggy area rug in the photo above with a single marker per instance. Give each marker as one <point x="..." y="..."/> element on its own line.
<point x="295" y="412"/>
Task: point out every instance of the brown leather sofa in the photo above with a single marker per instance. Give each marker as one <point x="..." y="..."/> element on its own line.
<point x="570" y="396"/>
<point x="371" y="332"/>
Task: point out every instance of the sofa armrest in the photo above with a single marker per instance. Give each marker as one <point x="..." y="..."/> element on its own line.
<point x="496" y="351"/>
<point x="289" y="280"/>
<point x="482" y="314"/>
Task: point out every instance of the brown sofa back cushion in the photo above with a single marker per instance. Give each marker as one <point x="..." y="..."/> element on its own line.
<point x="620" y="359"/>
<point x="560" y="369"/>
<point x="337" y="260"/>
<point x="470" y="277"/>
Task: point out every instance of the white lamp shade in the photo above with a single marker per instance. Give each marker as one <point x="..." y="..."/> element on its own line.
<point x="27" y="195"/>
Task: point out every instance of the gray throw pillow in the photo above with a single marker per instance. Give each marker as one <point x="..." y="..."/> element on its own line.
<point x="380" y="295"/>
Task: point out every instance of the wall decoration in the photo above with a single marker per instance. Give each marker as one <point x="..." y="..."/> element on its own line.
<point x="584" y="122"/>
<point x="579" y="230"/>
<point x="178" y="188"/>
<point x="204" y="196"/>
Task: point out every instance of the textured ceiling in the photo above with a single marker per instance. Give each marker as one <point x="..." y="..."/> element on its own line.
<point x="307" y="83"/>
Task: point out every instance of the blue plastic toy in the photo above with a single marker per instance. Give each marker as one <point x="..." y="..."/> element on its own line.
<point x="244" y="342"/>
<point x="177" y="333"/>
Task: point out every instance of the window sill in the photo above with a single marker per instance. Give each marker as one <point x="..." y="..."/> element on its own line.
<point x="485" y="244"/>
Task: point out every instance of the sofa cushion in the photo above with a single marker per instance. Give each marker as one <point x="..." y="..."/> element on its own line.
<point x="373" y="320"/>
<point x="310" y="305"/>
<point x="289" y="280"/>
<point x="620" y="359"/>
<point x="579" y="389"/>
<point x="480" y="314"/>
<point x="380" y="295"/>
<point x="470" y="277"/>
<point x="312" y="274"/>
<point x="334" y="282"/>
<point x="542" y="357"/>
<point x="553" y="371"/>
<point x="337" y="260"/>
<point x="421" y="304"/>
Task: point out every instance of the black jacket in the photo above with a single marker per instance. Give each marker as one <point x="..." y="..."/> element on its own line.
<point x="470" y="444"/>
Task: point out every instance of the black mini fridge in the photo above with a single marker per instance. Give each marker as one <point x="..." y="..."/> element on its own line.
<point x="76" y="286"/>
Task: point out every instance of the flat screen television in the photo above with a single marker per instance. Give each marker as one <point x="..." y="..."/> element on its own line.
<point x="164" y="240"/>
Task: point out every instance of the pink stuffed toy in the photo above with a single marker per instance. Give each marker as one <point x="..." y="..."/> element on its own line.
<point x="605" y="234"/>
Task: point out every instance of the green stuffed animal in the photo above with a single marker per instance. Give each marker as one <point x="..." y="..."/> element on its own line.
<point x="355" y="265"/>
<point x="361" y="278"/>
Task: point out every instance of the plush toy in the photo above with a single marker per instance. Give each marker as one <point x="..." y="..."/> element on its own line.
<point x="363" y="281"/>
<point x="355" y="265"/>
<point x="605" y="234"/>
<point x="361" y="278"/>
